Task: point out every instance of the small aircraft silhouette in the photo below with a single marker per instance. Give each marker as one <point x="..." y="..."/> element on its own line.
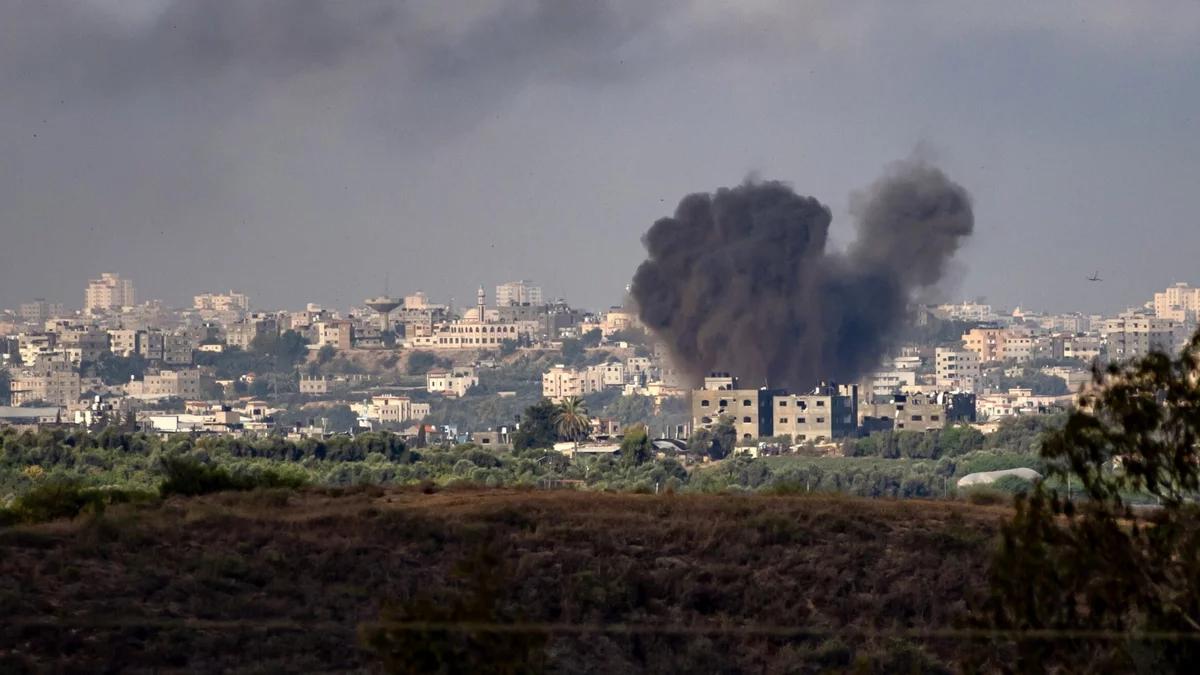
<point x="1095" y="277"/>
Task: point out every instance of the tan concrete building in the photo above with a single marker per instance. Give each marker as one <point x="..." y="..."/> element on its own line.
<point x="109" y="292"/>
<point x="750" y="409"/>
<point x="125" y="341"/>
<point x="560" y="383"/>
<point x="826" y="413"/>
<point x="1179" y="303"/>
<point x="999" y="344"/>
<point x="393" y="409"/>
<point x="39" y="311"/>
<point x="454" y="382"/>
<point x="1132" y="335"/>
<point x="957" y="369"/>
<point x="518" y="293"/>
<point x="184" y="383"/>
<point x="904" y="412"/>
<point x="336" y="334"/>
<point x="222" y="302"/>
<point x="55" y="382"/>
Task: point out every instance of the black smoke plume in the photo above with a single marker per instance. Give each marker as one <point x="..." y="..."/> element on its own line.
<point x="740" y="280"/>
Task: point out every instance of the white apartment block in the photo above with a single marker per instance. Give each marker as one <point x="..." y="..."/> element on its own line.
<point x="55" y="382"/>
<point x="518" y="293"/>
<point x="601" y="376"/>
<point x="109" y="292"/>
<point x="957" y="369"/>
<point x="471" y="335"/>
<point x="453" y="382"/>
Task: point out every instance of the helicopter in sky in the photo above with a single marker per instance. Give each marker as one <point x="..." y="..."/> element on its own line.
<point x="1095" y="277"/>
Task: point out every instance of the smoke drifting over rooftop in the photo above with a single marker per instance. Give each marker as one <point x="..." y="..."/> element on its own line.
<point x="740" y="280"/>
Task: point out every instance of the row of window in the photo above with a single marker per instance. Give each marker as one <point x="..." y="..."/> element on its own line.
<point x="801" y="420"/>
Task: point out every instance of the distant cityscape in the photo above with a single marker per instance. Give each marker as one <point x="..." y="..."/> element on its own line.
<point x="223" y="366"/>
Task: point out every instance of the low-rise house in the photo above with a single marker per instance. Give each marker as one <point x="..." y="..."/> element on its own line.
<point x="454" y="382"/>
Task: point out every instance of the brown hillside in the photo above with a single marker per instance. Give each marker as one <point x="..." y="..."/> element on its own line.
<point x="272" y="581"/>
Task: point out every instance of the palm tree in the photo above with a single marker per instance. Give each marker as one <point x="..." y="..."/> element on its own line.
<point x="571" y="419"/>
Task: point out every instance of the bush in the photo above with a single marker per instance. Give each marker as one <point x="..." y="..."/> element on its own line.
<point x="189" y="476"/>
<point x="65" y="499"/>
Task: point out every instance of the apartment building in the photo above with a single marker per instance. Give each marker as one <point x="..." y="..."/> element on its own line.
<point x="221" y="302"/>
<point x="55" y="382"/>
<point x="904" y="412"/>
<point x="518" y="293"/>
<point x="39" y="311"/>
<point x="886" y="382"/>
<point x="337" y="334"/>
<point x="999" y="344"/>
<point x="1132" y="335"/>
<point x="108" y="293"/>
<point x="125" y="341"/>
<point x="750" y="409"/>
<point x="454" y="382"/>
<point x="826" y="413"/>
<point x="561" y="382"/>
<point x="33" y="347"/>
<point x="957" y="369"/>
<point x="389" y="409"/>
<point x="601" y="376"/>
<point x="1180" y="303"/>
<point x="242" y="333"/>
<point x="84" y="343"/>
<point x="183" y="383"/>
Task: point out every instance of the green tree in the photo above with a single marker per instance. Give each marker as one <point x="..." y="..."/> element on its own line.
<point x="5" y="387"/>
<point x="591" y="338"/>
<point x="636" y="448"/>
<point x="571" y="419"/>
<point x="573" y="351"/>
<point x="113" y="369"/>
<point x="537" y="427"/>
<point x="724" y="438"/>
<point x="1097" y="566"/>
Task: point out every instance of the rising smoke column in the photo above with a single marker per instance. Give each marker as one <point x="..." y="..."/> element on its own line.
<point x="740" y="280"/>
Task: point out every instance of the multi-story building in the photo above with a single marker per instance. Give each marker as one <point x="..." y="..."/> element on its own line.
<point x="1133" y="335"/>
<point x="617" y="319"/>
<point x="454" y="382"/>
<point x="957" y="369"/>
<point x="518" y="293"/>
<point x="884" y="382"/>
<point x="336" y="334"/>
<point x="33" y="347"/>
<point x="125" y="341"/>
<point x="242" y="333"/>
<point x="178" y="349"/>
<point x="392" y="409"/>
<point x="222" y="302"/>
<point x="602" y="376"/>
<point x="999" y="344"/>
<point x="183" y="383"/>
<point x="749" y="409"/>
<point x="109" y="292"/>
<point x="55" y="382"/>
<point x="84" y="343"/>
<point x="905" y="412"/>
<point x="39" y="311"/>
<point x="826" y="413"/>
<point x="561" y="382"/>
<point x="1180" y="303"/>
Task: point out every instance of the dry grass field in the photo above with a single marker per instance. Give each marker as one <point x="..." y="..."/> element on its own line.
<point x="281" y="581"/>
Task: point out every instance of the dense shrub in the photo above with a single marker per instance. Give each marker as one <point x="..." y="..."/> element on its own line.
<point x="189" y="476"/>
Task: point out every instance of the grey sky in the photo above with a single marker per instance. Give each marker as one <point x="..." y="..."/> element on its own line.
<point x="300" y="150"/>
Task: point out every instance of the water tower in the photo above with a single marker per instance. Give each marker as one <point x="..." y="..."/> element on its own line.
<point x="384" y="306"/>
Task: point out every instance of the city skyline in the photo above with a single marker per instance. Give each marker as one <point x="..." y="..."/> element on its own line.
<point x="512" y="139"/>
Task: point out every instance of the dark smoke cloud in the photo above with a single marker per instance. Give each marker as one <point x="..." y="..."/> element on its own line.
<point x="740" y="280"/>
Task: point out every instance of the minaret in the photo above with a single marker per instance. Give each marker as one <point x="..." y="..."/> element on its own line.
<point x="480" y="299"/>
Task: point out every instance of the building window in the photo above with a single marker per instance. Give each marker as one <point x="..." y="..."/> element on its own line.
<point x="746" y="419"/>
<point x="820" y="404"/>
<point x="916" y="418"/>
<point x="783" y="404"/>
<point x="746" y="403"/>
<point x="934" y="418"/>
<point x="723" y="403"/>
<point x="801" y="420"/>
<point x="705" y="403"/>
<point x="783" y="420"/>
<point x="820" y="420"/>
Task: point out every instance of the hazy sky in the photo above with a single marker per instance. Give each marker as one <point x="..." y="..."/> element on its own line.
<point x="302" y="151"/>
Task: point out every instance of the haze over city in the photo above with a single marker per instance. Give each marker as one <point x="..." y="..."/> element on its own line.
<point x="307" y="151"/>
